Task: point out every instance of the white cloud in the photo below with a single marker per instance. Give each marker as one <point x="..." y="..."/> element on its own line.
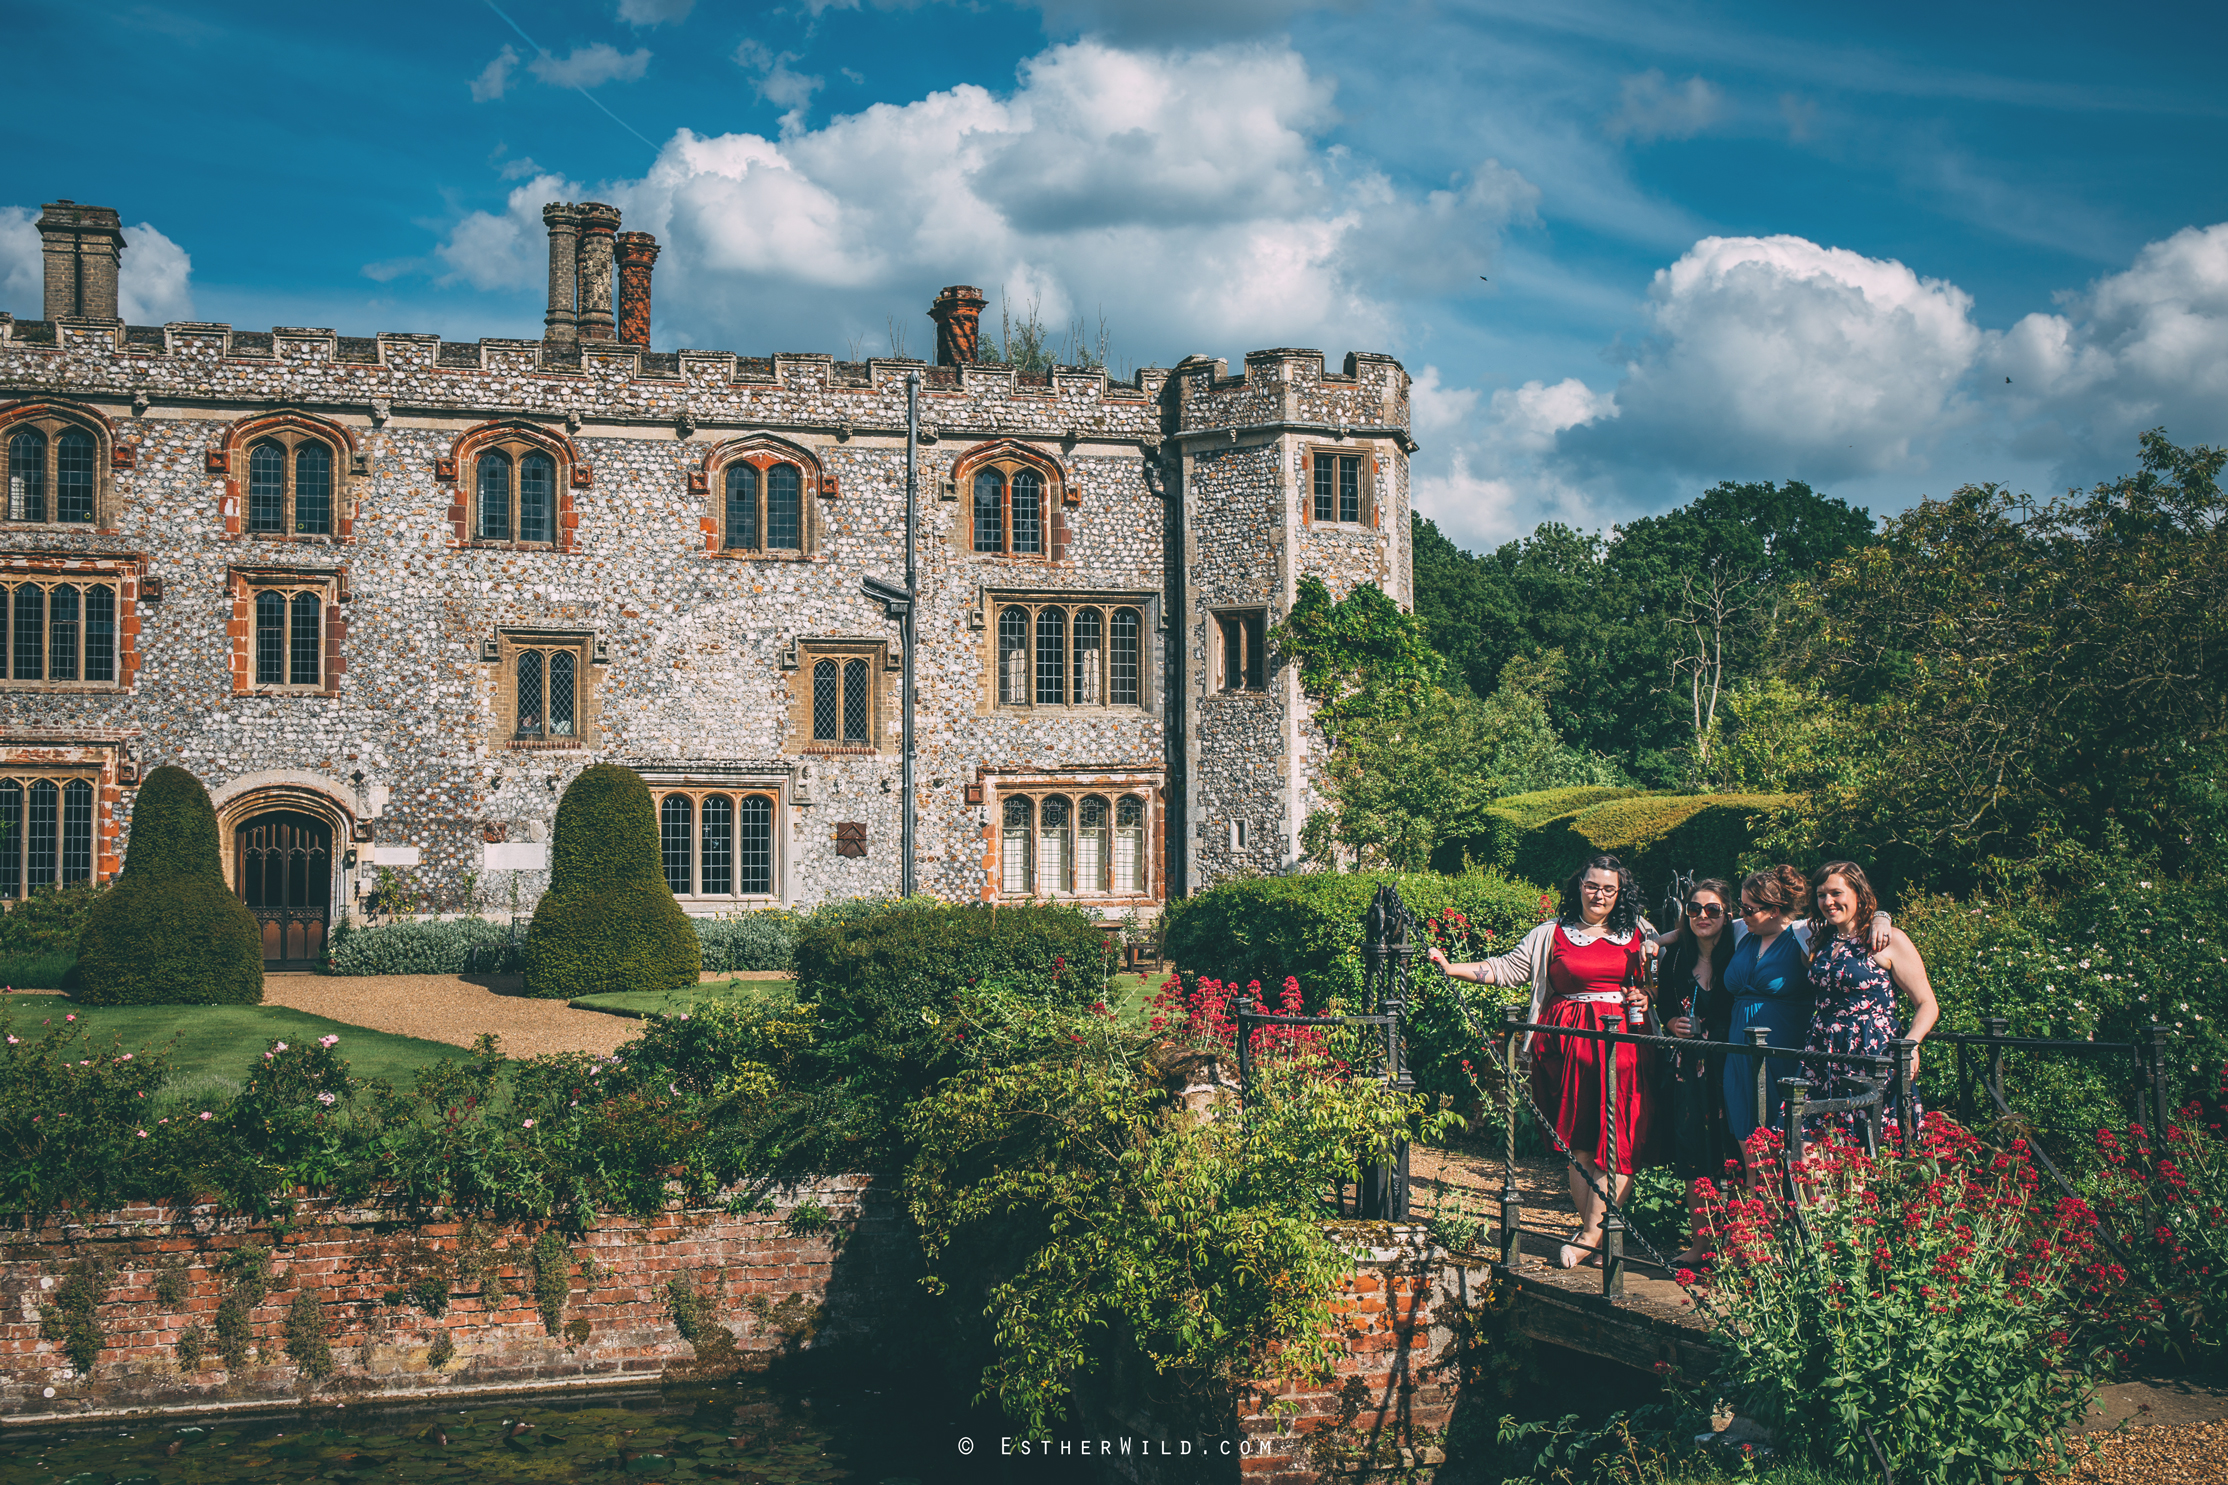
<point x="1188" y="195"/>
<point x="1492" y="485"/>
<point x="655" y="12"/>
<point x="590" y="66"/>
<point x="495" y="77"/>
<point x="522" y="166"/>
<point x="776" y="83"/>
<point x="22" y="270"/>
<point x="1653" y="108"/>
<point x="509" y="251"/>
<point x="154" y="283"/>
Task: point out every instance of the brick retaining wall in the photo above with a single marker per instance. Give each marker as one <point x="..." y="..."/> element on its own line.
<point x="764" y="1288"/>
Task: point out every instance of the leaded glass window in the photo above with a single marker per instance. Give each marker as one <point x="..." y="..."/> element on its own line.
<point x="61" y="633"/>
<point x="561" y="692"/>
<point x="1028" y="512"/>
<point x="495" y="496"/>
<point x="1129" y="844"/>
<point x="74" y="475"/>
<point x="1013" y="657"/>
<point x="716" y="864"/>
<point x="100" y="633"/>
<point x="29" y="624"/>
<point x="537" y="497"/>
<point x="784" y="509"/>
<point x="1053" y="846"/>
<point x="11" y="836"/>
<point x="742" y="507"/>
<point x="676" y="828"/>
<point x="1090" y="659"/>
<point x="1051" y="656"/>
<point x="270" y="638"/>
<point x="40" y="861"/>
<point x="855" y="703"/>
<point x="27" y="476"/>
<point x="1014" y="876"/>
<point x="1122" y="668"/>
<point x="754" y="846"/>
<point x="267" y="487"/>
<point x="313" y="489"/>
<point x="529" y="695"/>
<point x="827" y="701"/>
<point x="990" y="511"/>
<point x="1339" y="487"/>
<point x="77" y="832"/>
<point x="1091" y="841"/>
<point x="306" y="654"/>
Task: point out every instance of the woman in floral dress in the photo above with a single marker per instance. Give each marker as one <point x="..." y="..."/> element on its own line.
<point x="1853" y="991"/>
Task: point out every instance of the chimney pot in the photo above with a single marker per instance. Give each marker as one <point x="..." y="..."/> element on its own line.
<point x="562" y="322"/>
<point x="597" y="223"/>
<point x="638" y="251"/>
<point x="82" y="247"/>
<point x="958" y="316"/>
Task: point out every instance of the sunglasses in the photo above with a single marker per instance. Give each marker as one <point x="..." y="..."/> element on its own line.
<point x="1705" y="910"/>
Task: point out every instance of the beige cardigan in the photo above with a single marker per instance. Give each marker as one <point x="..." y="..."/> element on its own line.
<point x="1528" y="962"/>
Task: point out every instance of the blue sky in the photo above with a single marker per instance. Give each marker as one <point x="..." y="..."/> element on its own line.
<point x="1716" y="241"/>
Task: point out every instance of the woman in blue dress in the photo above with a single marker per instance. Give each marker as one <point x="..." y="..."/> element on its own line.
<point x="1768" y="979"/>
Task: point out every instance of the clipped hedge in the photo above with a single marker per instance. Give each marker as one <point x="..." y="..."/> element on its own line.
<point x="1488" y="840"/>
<point x="430" y="947"/>
<point x="608" y="921"/>
<point x="752" y="941"/>
<point x="1542" y="805"/>
<point x="1654" y="834"/>
<point x="170" y="932"/>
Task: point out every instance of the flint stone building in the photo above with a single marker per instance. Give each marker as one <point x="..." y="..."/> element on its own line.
<point x="386" y="595"/>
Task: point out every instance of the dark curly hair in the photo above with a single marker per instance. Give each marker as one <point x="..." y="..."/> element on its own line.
<point x="1624" y="914"/>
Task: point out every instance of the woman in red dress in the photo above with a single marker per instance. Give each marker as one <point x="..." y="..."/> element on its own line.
<point x="1585" y="969"/>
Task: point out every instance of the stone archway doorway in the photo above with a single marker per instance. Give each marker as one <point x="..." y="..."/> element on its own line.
<point x="283" y="871"/>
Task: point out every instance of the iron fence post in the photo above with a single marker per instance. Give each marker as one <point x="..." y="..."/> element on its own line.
<point x="1998" y="1029"/>
<point x="1757" y="1037"/>
<point x="1374" y="1199"/>
<point x="1876" y="1114"/>
<point x="2162" y="1098"/>
<point x="1906" y="1097"/>
<point x="1244" y="1013"/>
<point x="1393" y="1005"/>
<point x="1964" y="1085"/>
<point x="1612" y="1224"/>
<point x="1795" y="1093"/>
<point x="1512" y="1206"/>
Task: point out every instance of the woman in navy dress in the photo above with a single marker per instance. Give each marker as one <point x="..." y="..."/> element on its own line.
<point x="1853" y="989"/>
<point x="1768" y="979"/>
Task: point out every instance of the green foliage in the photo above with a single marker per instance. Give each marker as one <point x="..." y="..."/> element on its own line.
<point x="1359" y="656"/>
<point x="48" y="920"/>
<point x="1654" y="835"/>
<point x="427" y="946"/>
<point x="1488" y="838"/>
<point x="685" y="1306"/>
<point x="1310" y="927"/>
<point x="306" y="1343"/>
<point x="1407" y="783"/>
<point x="2021" y="673"/>
<point x="2163" y="1190"/>
<point x="170" y="1283"/>
<point x="39" y="969"/>
<point x="552" y="1264"/>
<point x="170" y="931"/>
<point x="608" y="921"/>
<point x="72" y="1317"/>
<point x="1651" y="621"/>
<point x="71" y="1113"/>
<point x="1929" y="1297"/>
<point x="193" y="1344"/>
<point x="246" y="1272"/>
<point x="749" y="941"/>
<point x="1065" y="1196"/>
<point x="1542" y="805"/>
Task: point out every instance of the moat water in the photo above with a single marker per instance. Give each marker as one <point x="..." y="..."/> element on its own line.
<point x="745" y="1430"/>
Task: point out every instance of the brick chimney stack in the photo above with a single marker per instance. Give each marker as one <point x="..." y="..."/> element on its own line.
<point x="597" y="223"/>
<point x="562" y="323"/>
<point x="637" y="252"/>
<point x="958" y="316"/>
<point x="83" y="247"/>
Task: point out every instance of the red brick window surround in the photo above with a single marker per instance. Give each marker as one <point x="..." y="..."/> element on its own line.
<point x="287" y="476"/>
<point x="514" y="482"/>
<point x="68" y="623"/>
<point x="762" y="499"/>
<point x="58" y="460"/>
<point x="287" y="630"/>
<point x="1013" y="503"/>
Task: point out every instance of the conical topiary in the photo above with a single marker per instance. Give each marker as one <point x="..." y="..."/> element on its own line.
<point x="608" y="921"/>
<point x="171" y="932"/>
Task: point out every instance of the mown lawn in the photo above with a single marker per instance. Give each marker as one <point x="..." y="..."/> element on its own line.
<point x="216" y="1044"/>
<point x="643" y="1004"/>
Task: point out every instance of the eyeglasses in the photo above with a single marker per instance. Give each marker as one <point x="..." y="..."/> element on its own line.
<point x="1598" y="889"/>
<point x="1751" y="909"/>
<point x="1705" y="910"/>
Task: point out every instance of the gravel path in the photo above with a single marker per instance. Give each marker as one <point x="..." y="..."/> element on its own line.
<point x="452" y="1009"/>
<point x="2185" y="1454"/>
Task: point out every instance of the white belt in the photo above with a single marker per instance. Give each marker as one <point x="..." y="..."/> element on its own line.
<point x="1596" y="997"/>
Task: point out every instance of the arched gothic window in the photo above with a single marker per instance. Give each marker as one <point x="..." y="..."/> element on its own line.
<point x="514" y="494"/>
<point x="545" y="692"/>
<point x="764" y="508"/>
<point x="1008" y="501"/>
<point x="842" y="694"/>
<point x="290" y="485"/>
<point x="53" y="471"/>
